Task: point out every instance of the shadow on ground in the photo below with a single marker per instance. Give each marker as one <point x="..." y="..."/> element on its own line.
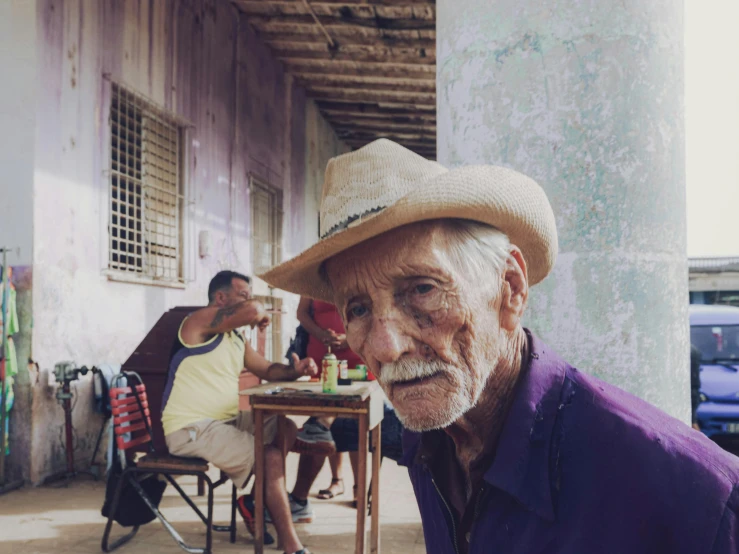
<point x="67" y="519"/>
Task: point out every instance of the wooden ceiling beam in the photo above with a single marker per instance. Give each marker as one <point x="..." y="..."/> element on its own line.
<point x="350" y="119"/>
<point x="429" y="153"/>
<point x="419" y="139"/>
<point x="426" y="149"/>
<point x="321" y="81"/>
<point x="355" y="68"/>
<point x="374" y="108"/>
<point x="373" y="96"/>
<point x="363" y="123"/>
<point x="372" y="134"/>
<point x="348" y="40"/>
<point x="403" y="118"/>
<point x="395" y="3"/>
<point x="343" y="10"/>
<point x="352" y="81"/>
<point x="407" y="120"/>
<point x="340" y="32"/>
<point x="351" y="124"/>
<point x="424" y="146"/>
<point x="281" y="26"/>
<point x="281" y="22"/>
<point x="358" y="54"/>
<point x="419" y="133"/>
<point x="378" y="52"/>
<point x="399" y="115"/>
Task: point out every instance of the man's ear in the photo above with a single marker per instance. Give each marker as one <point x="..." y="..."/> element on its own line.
<point x="515" y="291"/>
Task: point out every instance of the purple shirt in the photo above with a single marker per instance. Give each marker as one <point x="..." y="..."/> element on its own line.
<point x="583" y="467"/>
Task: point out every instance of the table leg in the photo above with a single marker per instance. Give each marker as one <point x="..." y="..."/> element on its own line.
<point x="259" y="480"/>
<point x="376" y="461"/>
<point x="362" y="448"/>
<point x="281" y="431"/>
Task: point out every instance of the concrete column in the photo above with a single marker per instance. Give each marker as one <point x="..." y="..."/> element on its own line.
<point x="586" y="97"/>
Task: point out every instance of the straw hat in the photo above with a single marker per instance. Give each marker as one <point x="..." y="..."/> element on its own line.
<point x="384" y="185"/>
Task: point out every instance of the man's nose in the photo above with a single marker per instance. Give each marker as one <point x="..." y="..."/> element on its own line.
<point x="387" y="341"/>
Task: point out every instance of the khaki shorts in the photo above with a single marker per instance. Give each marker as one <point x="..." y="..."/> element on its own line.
<point x="228" y="445"/>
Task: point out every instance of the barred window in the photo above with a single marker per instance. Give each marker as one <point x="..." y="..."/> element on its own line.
<point x="266" y="217"/>
<point x="146" y="190"/>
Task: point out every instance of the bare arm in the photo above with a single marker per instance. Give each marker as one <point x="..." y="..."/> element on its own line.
<point x="309" y="324"/>
<point x="209" y="321"/>
<point x="264" y="369"/>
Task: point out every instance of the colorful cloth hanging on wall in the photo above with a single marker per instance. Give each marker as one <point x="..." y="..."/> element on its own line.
<point x="10" y="359"/>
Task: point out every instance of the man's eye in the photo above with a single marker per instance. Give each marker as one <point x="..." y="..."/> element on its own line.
<point x="357" y="311"/>
<point x="424" y="288"/>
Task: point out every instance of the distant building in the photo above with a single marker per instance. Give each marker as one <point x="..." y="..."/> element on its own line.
<point x="714" y="280"/>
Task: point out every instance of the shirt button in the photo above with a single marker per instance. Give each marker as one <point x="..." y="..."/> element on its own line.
<point x="468" y="536"/>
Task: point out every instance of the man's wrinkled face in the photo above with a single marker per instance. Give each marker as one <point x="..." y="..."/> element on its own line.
<point x="426" y="328"/>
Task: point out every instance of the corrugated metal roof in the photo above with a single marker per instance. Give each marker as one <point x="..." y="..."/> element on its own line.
<point x="713" y="265"/>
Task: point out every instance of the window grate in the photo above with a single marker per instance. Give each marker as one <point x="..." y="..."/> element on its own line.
<point x="146" y="189"/>
<point x="266" y="204"/>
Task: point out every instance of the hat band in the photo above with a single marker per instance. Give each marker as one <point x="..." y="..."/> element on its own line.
<point x="349" y="220"/>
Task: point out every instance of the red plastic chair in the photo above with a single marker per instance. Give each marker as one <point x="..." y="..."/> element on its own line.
<point x="132" y="428"/>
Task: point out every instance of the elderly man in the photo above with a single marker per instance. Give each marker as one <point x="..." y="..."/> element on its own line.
<point x="201" y="415"/>
<point x="514" y="450"/>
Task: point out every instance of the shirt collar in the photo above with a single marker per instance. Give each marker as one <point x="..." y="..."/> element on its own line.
<point x="521" y="465"/>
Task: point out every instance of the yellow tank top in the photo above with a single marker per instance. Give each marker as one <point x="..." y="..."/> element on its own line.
<point x="203" y="381"/>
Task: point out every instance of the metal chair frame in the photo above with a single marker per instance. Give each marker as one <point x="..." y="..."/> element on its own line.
<point x="138" y="419"/>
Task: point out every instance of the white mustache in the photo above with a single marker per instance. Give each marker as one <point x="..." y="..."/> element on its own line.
<point x="408" y="369"/>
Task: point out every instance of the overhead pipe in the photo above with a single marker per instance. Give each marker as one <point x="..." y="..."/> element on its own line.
<point x="330" y="40"/>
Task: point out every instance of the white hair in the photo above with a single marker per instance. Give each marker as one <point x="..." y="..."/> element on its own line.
<point x="477" y="247"/>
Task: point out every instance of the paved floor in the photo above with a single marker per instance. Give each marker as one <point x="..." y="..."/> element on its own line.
<point x="67" y="519"/>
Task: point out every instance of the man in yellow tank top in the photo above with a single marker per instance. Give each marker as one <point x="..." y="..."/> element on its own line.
<point x="201" y="415"/>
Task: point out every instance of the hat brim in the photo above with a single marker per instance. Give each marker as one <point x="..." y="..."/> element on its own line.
<point x="497" y="196"/>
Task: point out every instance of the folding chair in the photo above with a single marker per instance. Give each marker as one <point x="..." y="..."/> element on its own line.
<point x="132" y="428"/>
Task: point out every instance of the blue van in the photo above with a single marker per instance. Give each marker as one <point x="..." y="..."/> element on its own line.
<point x="714" y="330"/>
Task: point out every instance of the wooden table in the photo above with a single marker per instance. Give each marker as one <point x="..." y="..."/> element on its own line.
<point x="362" y="401"/>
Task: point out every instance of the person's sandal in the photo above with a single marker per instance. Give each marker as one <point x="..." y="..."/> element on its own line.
<point x="328" y="494"/>
<point x="303" y="551"/>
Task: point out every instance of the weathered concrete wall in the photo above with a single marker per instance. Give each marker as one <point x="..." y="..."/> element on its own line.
<point x="586" y="98"/>
<point x="17" y="112"/>
<point x="321" y="145"/>
<point x="317" y="140"/>
<point x="194" y="58"/>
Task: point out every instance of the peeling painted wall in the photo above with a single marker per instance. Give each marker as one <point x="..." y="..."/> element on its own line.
<point x="321" y="145"/>
<point x="586" y="98"/>
<point x="194" y="58"/>
<point x="17" y="112"/>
